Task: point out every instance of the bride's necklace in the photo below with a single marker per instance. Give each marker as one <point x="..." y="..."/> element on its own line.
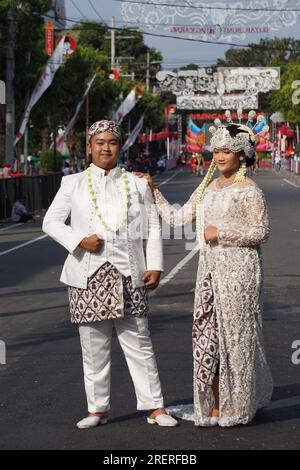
<point x="228" y="183"/>
<point x="94" y="201"/>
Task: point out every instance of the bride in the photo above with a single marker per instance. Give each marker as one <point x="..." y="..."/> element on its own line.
<point x="232" y="379"/>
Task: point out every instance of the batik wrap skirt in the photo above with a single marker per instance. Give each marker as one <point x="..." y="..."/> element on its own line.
<point x="205" y="336"/>
<point x="109" y="295"/>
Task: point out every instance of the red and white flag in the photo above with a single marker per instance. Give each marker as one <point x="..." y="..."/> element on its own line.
<point x="61" y="139"/>
<point x="127" y="105"/>
<point x="133" y="135"/>
<point x="44" y="82"/>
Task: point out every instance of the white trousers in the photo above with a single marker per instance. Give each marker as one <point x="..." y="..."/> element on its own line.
<point x="135" y="341"/>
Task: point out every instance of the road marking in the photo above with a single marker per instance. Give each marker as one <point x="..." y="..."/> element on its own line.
<point x="177" y="268"/>
<point x="22" y="245"/>
<point x="44" y="236"/>
<point x="181" y="263"/>
<point x="11" y="226"/>
<point x="169" y="179"/>
<point x="293" y="184"/>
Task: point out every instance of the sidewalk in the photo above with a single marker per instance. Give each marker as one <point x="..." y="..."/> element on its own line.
<point x="6" y="224"/>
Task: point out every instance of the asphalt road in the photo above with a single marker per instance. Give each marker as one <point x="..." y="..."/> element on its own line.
<point x="41" y="386"/>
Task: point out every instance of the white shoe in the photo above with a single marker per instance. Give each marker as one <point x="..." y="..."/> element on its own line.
<point x="91" y="422"/>
<point x="209" y="422"/>
<point x="163" y="420"/>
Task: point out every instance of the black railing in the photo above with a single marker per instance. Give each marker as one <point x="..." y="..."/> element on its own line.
<point x="38" y="191"/>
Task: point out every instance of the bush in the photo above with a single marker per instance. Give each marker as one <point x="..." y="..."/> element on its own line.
<point x="264" y="155"/>
<point x="47" y="161"/>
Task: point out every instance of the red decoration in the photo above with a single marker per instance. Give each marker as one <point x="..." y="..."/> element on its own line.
<point x="49" y="38"/>
<point x="159" y="135"/>
<point x="113" y="74"/>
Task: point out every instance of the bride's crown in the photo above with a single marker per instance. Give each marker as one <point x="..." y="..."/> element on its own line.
<point x="245" y="134"/>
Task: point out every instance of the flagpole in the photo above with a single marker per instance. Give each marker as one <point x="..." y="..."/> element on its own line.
<point x="26" y="151"/>
<point x="54" y="128"/>
<point x="127" y="153"/>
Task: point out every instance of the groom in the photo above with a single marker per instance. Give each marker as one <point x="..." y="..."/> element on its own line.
<point x="108" y="274"/>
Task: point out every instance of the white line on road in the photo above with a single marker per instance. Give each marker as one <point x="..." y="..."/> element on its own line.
<point x="11" y="226"/>
<point x="181" y="263"/>
<point x="23" y="244"/>
<point x="290" y="182"/>
<point x="44" y="236"/>
<point x="177" y="268"/>
<point x="169" y="179"/>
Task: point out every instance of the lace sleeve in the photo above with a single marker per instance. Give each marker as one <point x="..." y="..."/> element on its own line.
<point x="257" y="230"/>
<point x="176" y="217"/>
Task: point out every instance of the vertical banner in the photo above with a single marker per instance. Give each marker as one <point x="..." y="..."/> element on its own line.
<point x="127" y="105"/>
<point x="61" y="139"/>
<point x="133" y="135"/>
<point x="44" y="82"/>
<point x="49" y="38"/>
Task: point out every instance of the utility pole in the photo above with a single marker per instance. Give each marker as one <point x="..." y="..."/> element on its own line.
<point x="113" y="42"/>
<point x="10" y="96"/>
<point x="113" y="39"/>
<point x="28" y="57"/>
<point x="148" y="72"/>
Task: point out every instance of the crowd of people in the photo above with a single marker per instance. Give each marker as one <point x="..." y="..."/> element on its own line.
<point x="281" y="160"/>
<point x="146" y="163"/>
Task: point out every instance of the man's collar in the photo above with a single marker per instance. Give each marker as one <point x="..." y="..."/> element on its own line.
<point x="101" y="172"/>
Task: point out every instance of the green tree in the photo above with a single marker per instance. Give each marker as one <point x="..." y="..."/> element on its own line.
<point x="57" y="104"/>
<point x="29" y="50"/>
<point x="131" y="51"/>
<point x="189" y="67"/>
<point x="266" y="53"/>
<point x="106" y="95"/>
<point x="287" y="98"/>
<point x="49" y="162"/>
<point x="276" y="52"/>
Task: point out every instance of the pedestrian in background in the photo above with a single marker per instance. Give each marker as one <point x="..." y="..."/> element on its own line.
<point x="19" y="212"/>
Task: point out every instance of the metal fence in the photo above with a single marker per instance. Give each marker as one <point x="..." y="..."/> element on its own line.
<point x="38" y="191"/>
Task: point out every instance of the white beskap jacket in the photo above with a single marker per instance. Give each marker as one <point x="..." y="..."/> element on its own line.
<point x="142" y="223"/>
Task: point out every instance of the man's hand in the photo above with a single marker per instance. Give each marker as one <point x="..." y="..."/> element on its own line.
<point x="211" y="234"/>
<point x="151" y="279"/>
<point x="91" y="244"/>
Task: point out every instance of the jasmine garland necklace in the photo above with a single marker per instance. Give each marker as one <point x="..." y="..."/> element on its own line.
<point x="94" y="200"/>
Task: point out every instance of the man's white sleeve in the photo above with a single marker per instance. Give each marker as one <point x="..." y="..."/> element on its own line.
<point x="54" y="221"/>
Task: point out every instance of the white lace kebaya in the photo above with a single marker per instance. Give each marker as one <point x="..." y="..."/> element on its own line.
<point x="229" y="286"/>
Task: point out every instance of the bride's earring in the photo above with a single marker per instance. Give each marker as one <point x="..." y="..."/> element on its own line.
<point x="241" y="174"/>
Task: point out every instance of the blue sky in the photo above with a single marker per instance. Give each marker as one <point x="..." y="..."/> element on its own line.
<point x="179" y="52"/>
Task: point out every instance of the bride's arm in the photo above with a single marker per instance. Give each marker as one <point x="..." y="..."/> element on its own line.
<point x="173" y="216"/>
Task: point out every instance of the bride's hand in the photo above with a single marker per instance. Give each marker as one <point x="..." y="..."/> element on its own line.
<point x="147" y="177"/>
<point x="210" y="234"/>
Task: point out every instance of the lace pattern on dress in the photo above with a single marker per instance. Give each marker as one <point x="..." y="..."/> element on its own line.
<point x="235" y="264"/>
